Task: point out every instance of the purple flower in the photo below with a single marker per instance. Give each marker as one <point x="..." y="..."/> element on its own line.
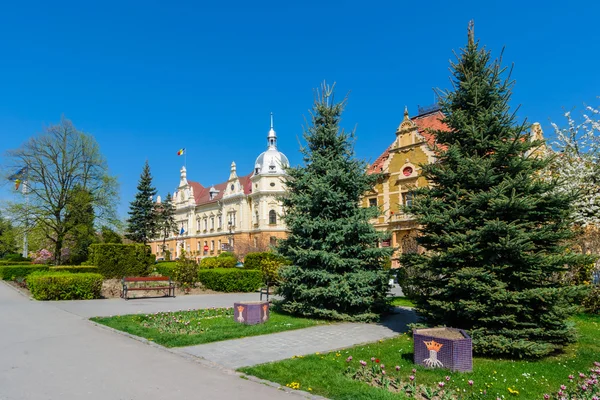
<point x="349" y="359"/>
<point x="571" y="377"/>
<point x="412" y="377"/>
<point x="382" y="366"/>
<point x="397" y="368"/>
<point x="597" y="364"/>
<point x="372" y="359"/>
<point x="441" y="384"/>
<point x="581" y="375"/>
<point x="546" y="396"/>
<point x="563" y="387"/>
<point x="414" y="371"/>
<point x="363" y="363"/>
<point x="382" y="372"/>
<point x="447" y="379"/>
<point x="583" y="388"/>
<point x="560" y="393"/>
<point x="470" y="383"/>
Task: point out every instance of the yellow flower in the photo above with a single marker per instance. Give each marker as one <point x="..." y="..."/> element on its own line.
<point x="310" y="389"/>
<point x="317" y="353"/>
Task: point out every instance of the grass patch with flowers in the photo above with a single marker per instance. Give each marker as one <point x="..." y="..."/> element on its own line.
<point x="357" y="373"/>
<point x="192" y="327"/>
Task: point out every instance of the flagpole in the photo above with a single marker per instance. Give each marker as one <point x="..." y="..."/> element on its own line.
<point x="26" y="194"/>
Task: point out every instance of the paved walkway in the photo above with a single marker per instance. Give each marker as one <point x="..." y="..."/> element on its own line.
<point x="279" y="346"/>
<point x="47" y="353"/>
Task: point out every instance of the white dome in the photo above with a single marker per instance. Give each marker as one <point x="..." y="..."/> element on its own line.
<point x="271" y="161"/>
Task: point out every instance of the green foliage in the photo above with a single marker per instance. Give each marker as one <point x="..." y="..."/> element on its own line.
<point x="64" y="286"/>
<point x="254" y="260"/>
<point x="228" y="254"/>
<point x="142" y="224"/>
<point x="165" y="268"/>
<point x="15" y="257"/>
<point x="166" y="225"/>
<point x="218" y="262"/>
<point x="230" y="280"/>
<point x="591" y="303"/>
<point x="79" y="222"/>
<point x="110" y="236"/>
<point x="493" y="224"/>
<point x="75" y="269"/>
<point x="185" y="272"/>
<point x="12" y="272"/>
<point x="337" y="266"/>
<point x="6" y="262"/>
<point x="119" y="260"/>
<point x="8" y="238"/>
<point x="270" y="269"/>
<point x="209" y="262"/>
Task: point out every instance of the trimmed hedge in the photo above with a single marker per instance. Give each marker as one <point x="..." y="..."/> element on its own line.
<point x="254" y="260"/>
<point x="8" y="262"/>
<point x="218" y="262"/>
<point x="119" y="260"/>
<point x="165" y="268"/>
<point x="12" y="272"/>
<point x="230" y="280"/>
<point x="64" y="286"/>
<point x="76" y="269"/>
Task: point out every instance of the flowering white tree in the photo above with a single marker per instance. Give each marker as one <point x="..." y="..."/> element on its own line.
<point x="578" y="163"/>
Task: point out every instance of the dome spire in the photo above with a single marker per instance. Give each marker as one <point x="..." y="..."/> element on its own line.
<point x="272" y="136"/>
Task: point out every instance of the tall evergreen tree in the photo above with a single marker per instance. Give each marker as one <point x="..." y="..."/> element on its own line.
<point x="142" y="222"/>
<point x="493" y="225"/>
<point x="338" y="268"/>
<point x="166" y="219"/>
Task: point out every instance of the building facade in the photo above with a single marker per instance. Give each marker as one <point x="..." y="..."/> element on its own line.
<point x="400" y="167"/>
<point x="242" y="214"/>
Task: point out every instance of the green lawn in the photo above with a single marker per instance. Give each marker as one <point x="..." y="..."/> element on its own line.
<point x="402" y="302"/>
<point x="188" y="328"/>
<point x="324" y="373"/>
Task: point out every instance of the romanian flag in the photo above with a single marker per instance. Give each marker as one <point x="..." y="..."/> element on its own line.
<point x="180" y="152"/>
<point x="18" y="177"/>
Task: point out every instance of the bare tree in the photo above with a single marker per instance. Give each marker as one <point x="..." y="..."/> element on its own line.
<point x="57" y="161"/>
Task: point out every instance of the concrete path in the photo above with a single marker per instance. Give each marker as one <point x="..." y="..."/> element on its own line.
<point x="279" y="346"/>
<point x="47" y="353"/>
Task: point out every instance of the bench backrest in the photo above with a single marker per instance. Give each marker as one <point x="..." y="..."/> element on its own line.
<point x="146" y="279"/>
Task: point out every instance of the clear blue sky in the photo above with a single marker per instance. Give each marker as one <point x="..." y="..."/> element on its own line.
<point x="147" y="78"/>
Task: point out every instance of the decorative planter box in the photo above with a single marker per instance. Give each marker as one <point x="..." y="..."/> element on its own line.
<point x="443" y="348"/>
<point x="251" y="312"/>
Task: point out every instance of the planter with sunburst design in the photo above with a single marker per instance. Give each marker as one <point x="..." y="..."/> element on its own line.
<point x="443" y="348"/>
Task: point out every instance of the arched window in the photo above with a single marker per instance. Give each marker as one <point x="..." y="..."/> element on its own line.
<point x="272" y="217"/>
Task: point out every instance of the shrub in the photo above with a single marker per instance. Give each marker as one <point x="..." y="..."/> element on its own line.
<point x="119" y="260"/>
<point x="218" y="262"/>
<point x="230" y="280"/>
<point x="76" y="269"/>
<point x="185" y="272"/>
<point x="270" y="270"/>
<point x="591" y="303"/>
<point x="13" y="272"/>
<point x="6" y="262"/>
<point x="254" y="260"/>
<point x="64" y="286"/>
<point x="165" y="268"/>
<point x="228" y="254"/>
<point x="42" y="257"/>
<point x="209" y="262"/>
<point x="15" y="257"/>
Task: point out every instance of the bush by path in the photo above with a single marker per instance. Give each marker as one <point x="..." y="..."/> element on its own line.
<point x="64" y="285"/>
<point x="230" y="279"/>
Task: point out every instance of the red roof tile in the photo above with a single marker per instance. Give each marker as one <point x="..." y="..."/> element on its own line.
<point x="425" y="123"/>
<point x="202" y="194"/>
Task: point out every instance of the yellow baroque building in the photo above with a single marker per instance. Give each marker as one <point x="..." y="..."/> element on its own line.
<point x="242" y="214"/>
<point x="401" y="174"/>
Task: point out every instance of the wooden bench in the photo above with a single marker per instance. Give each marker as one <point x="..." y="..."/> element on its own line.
<point x="168" y="288"/>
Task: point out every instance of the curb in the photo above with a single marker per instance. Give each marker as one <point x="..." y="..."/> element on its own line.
<point x="210" y="364"/>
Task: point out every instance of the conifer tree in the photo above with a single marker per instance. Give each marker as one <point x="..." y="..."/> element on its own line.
<point x="337" y="267"/>
<point x="166" y="219"/>
<point x="142" y="222"/>
<point x="493" y="225"/>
